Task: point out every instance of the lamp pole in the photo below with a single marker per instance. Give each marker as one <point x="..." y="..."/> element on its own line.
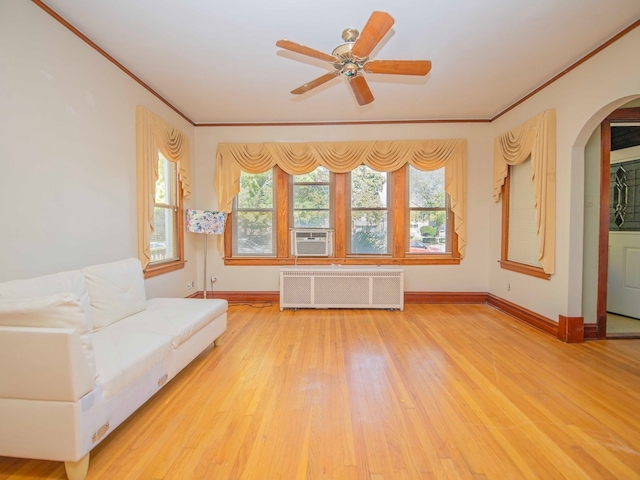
<point x="205" y="266"/>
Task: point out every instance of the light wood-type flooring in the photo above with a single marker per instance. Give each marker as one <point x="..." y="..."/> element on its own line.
<point x="436" y="391"/>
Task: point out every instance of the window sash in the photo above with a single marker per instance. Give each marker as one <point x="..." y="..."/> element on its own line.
<point x="165" y="243"/>
<point x="297" y="213"/>
<point x="260" y="241"/>
<point x="369" y="238"/>
<point x="434" y="245"/>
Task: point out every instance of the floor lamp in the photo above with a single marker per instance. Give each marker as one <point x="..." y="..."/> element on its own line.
<point x="209" y="223"/>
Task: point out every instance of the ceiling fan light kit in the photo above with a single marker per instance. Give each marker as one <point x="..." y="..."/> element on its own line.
<point x="351" y="59"/>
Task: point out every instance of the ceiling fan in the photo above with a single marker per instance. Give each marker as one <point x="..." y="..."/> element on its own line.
<point x="351" y="58"/>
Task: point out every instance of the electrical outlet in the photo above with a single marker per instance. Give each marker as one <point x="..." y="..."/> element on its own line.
<point x="508" y="287"/>
<point x="190" y="285"/>
<point x="214" y="279"/>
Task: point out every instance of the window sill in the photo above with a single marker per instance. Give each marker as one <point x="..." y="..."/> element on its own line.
<point x="162" y="268"/>
<point x="369" y="260"/>
<point x="524" y="269"/>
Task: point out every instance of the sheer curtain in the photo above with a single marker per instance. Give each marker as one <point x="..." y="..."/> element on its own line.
<point x="537" y="138"/>
<point x="153" y="134"/>
<point x="342" y="157"/>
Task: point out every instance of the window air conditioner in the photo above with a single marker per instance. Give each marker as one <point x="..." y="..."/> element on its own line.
<point x="311" y="243"/>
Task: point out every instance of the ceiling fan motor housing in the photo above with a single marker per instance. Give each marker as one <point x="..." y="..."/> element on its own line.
<point x="348" y="64"/>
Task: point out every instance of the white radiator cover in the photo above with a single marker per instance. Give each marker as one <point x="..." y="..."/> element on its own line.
<point x="342" y="287"/>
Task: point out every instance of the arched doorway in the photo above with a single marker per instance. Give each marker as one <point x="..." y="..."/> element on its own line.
<point x="614" y="282"/>
<point x="592" y="206"/>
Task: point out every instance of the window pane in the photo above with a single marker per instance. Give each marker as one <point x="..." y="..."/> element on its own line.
<point x="523" y="236"/>
<point x="165" y="243"/>
<point x="256" y="190"/>
<point x="254" y="233"/>
<point x="428" y="231"/>
<point x="254" y="219"/>
<point x="164" y="239"/>
<point x="311" y="206"/>
<point x="312" y="199"/>
<point x="319" y="175"/>
<point x="369" y="232"/>
<point x="427" y="211"/>
<point x="311" y="219"/>
<point x="426" y="188"/>
<point x="368" y="188"/>
<point x="166" y="182"/>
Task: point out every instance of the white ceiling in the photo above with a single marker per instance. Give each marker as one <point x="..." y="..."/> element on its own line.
<point x="216" y="61"/>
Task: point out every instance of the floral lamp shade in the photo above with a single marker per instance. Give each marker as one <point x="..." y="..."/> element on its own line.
<point x="205" y="221"/>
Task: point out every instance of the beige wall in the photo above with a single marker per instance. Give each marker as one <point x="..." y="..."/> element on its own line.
<point x="67" y="147"/>
<point x="582" y="99"/>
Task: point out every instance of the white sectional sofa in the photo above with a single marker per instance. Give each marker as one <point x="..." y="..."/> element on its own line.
<point x="81" y="350"/>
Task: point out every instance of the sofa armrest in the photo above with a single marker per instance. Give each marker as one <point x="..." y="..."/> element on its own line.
<point x="41" y="363"/>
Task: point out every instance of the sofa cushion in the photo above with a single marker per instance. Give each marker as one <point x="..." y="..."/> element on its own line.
<point x="57" y="311"/>
<point x="124" y="355"/>
<point x="64" y="282"/>
<point x="178" y="317"/>
<point x="116" y="290"/>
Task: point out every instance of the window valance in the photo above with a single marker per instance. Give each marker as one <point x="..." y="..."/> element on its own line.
<point x="342" y="157"/>
<point x="153" y="134"/>
<point x="535" y="138"/>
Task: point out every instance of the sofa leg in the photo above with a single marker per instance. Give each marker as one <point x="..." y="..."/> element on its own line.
<point x="77" y="470"/>
<point x="217" y="342"/>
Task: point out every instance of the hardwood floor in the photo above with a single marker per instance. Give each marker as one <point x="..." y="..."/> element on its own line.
<point x="436" y="391"/>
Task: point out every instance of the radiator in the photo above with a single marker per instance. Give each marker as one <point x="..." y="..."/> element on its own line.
<point x="342" y="287"/>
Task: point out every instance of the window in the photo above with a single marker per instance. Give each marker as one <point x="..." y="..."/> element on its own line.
<point x="312" y="199"/>
<point x="369" y="214"/>
<point x="528" y="195"/>
<point x="520" y="238"/>
<point x="162" y="182"/>
<point x="428" y="209"/>
<point x="254" y="219"/>
<point x="165" y="242"/>
<point x="368" y="211"/>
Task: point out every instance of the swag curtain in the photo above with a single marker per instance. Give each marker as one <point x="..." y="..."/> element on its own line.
<point x="153" y="134"/>
<point x="535" y="138"/>
<point x="342" y="157"/>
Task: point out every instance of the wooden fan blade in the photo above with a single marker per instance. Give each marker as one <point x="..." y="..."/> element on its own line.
<point x="398" y="67"/>
<point x="315" y="83"/>
<point x="361" y="90"/>
<point x="377" y="26"/>
<point x="310" y="52"/>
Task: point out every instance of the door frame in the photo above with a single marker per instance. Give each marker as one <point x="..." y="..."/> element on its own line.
<point x="620" y="115"/>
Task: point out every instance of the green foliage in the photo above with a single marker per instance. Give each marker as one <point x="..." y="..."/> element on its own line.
<point x="427" y="188"/>
<point x="428" y="231"/>
<point x="311" y="200"/>
<point x="368" y="188"/>
<point x="320" y="174"/>
<point x="256" y="190"/>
